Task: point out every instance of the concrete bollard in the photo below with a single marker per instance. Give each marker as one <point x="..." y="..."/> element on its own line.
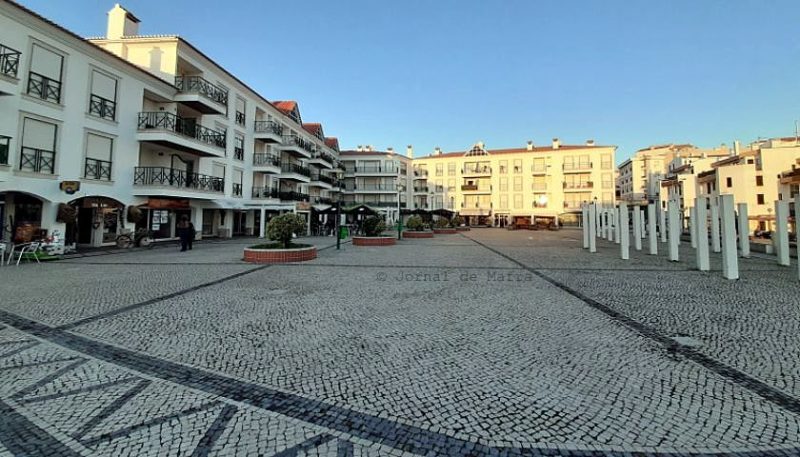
<point x="662" y="224"/>
<point x="715" y="242"/>
<point x="674" y="230"/>
<point x="651" y="229"/>
<point x="744" y="231"/>
<point x="642" y="224"/>
<point x="796" y="231"/>
<point x="601" y="221"/>
<point x="624" y="244"/>
<point x="592" y="227"/>
<point x="730" y="260"/>
<point x="693" y="226"/>
<point x="612" y="224"/>
<point x="703" y="261"/>
<point x="616" y="225"/>
<point x="782" y="232"/>
<point x="585" y="224"/>
<point x="637" y="228"/>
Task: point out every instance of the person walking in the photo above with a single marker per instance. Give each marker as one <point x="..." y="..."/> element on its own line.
<point x="185" y="233"/>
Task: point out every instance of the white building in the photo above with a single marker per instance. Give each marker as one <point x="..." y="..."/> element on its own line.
<point x="377" y="179"/>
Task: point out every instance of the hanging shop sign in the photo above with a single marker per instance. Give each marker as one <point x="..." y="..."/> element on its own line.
<point x="70" y="187"/>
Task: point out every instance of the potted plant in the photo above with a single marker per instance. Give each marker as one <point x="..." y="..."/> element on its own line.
<point x="416" y="228"/>
<point x="458" y="223"/>
<point x="373" y="233"/>
<point x="282" y="230"/>
<point x="134" y="214"/>
<point x="442" y="226"/>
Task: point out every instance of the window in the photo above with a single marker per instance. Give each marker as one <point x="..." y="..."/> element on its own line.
<point x="517" y="184"/>
<point x="38" y="153"/>
<point x="240" y="110"/>
<point x="4" y="144"/>
<point x="605" y="161"/>
<point x="540" y="200"/>
<point x="503" y="184"/>
<point x="729" y="182"/>
<point x="517" y="201"/>
<point x="451" y="185"/>
<point x="44" y="79"/>
<point x="517" y="167"/>
<point x="504" y="166"/>
<point x="539" y="183"/>
<point x="451" y="169"/>
<point x="439" y="169"/>
<point x="238" y="147"/>
<point x="608" y="180"/>
<point x="504" y="201"/>
<point x="760" y="199"/>
<point x="538" y="166"/>
<point x="97" y="164"/>
<point x="759" y="180"/>
<point x="237" y="182"/>
<point x="103" y="99"/>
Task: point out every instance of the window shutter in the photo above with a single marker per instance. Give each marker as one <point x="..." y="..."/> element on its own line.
<point x="104" y="86"/>
<point x="46" y="63"/>
<point x="98" y="147"/>
<point x="39" y="135"/>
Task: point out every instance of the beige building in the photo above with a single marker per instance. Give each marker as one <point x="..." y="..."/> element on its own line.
<point x="515" y="185"/>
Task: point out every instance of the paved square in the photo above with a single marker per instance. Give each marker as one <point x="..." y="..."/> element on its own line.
<point x="490" y="342"/>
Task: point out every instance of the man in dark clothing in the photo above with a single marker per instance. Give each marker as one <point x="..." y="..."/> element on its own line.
<point x="185" y="231"/>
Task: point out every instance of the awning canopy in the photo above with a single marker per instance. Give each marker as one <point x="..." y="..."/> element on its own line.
<point x="360" y="209"/>
<point x="443" y="213"/>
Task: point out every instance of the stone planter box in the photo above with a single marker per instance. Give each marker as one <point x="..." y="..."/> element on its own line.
<point x="411" y="235"/>
<point x="374" y="240"/>
<point x="280" y="255"/>
<point x="462" y="229"/>
<point x="445" y="231"/>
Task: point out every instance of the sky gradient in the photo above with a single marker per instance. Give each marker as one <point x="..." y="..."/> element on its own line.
<point x="452" y="72"/>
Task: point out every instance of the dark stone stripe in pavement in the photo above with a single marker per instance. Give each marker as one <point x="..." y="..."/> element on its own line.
<point x="213" y="433"/>
<point x="82" y="390"/>
<point x="741" y="378"/>
<point x="344" y="449"/>
<point x="110" y="409"/>
<point x="18" y="350"/>
<point x="307" y="445"/>
<point x="365" y="426"/>
<point x="49" y="378"/>
<point x="23" y="438"/>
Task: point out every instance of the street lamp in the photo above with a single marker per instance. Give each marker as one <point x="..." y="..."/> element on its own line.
<point x="399" y="188"/>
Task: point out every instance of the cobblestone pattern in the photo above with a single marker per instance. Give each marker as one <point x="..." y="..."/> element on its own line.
<point x="353" y="355"/>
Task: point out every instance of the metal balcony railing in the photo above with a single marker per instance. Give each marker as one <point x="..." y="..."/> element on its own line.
<point x="185" y="127"/>
<point x="476" y="169"/>
<point x="162" y="176"/>
<point x="577" y="166"/>
<point x="578" y="185"/>
<point x="294" y="168"/>
<point x="237" y="189"/>
<point x="323" y="178"/>
<point x="421" y="189"/>
<point x="44" y="88"/>
<point x="420" y="172"/>
<point x="238" y="153"/>
<point x="198" y="85"/>
<point x="268" y="127"/>
<point x="293" y="196"/>
<point x="37" y="160"/>
<point x="5" y="141"/>
<point x="9" y="61"/>
<point x="265" y="159"/>
<point x="240" y="118"/>
<point x="265" y="192"/>
<point x="294" y="140"/>
<point x="102" y="107"/>
<point x="97" y="169"/>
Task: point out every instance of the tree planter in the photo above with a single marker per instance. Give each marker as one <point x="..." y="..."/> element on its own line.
<point x="297" y="254"/>
<point x="411" y="235"/>
<point x="462" y="229"/>
<point x="444" y="231"/>
<point x="374" y="240"/>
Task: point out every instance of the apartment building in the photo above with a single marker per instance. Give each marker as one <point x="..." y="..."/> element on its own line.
<point x="147" y="121"/>
<point x="379" y="179"/>
<point x="516" y="185"/>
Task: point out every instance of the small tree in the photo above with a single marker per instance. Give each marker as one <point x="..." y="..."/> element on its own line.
<point x="374" y="226"/>
<point x="456" y="221"/>
<point x="282" y="228"/>
<point x="415" y="223"/>
<point x="441" y="223"/>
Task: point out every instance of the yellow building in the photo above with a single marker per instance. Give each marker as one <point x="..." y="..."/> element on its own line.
<point x="515" y="185"/>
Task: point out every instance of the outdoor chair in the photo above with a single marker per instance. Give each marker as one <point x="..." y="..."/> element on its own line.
<point x="28" y="251"/>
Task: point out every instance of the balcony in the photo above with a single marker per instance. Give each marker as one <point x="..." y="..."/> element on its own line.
<point x="474" y="188"/>
<point x="237" y="189"/>
<point x="9" y="61"/>
<point x="323" y="200"/>
<point x="323" y="160"/>
<point x="381" y="204"/>
<point x="201" y="95"/>
<point x="269" y="131"/>
<point x="373" y="188"/>
<point x="293" y="196"/>
<point x="420" y="174"/>
<point x="539" y="186"/>
<point x="322" y="181"/>
<point x="266" y="163"/>
<point x="475" y="209"/>
<point x="375" y="170"/>
<point x="420" y="189"/>
<point x="578" y="186"/>
<point x="265" y="192"/>
<point x="539" y="205"/>
<point x="539" y="170"/>
<point x="97" y="169"/>
<point x="172" y="131"/>
<point x="240" y="118"/>
<point x="479" y="170"/>
<point x="577" y="167"/>
<point x="175" y="183"/>
<point x="44" y="88"/>
<point x="297" y="146"/>
<point x="37" y="160"/>
<point x="295" y="172"/>
<point x="102" y="107"/>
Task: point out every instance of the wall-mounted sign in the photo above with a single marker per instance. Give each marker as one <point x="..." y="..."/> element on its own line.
<point x="303" y="206"/>
<point x="70" y="187"/>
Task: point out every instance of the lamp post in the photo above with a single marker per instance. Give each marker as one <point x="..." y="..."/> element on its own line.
<point x="399" y="188"/>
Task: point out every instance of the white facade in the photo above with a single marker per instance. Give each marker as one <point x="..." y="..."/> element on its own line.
<point x="377" y="179"/>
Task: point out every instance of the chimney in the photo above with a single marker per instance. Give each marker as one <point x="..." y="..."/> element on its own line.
<point x="736" y="147"/>
<point x="437" y="151"/>
<point x="530" y="145"/>
<point x="369" y="148"/>
<point x="121" y="23"/>
<point x="410" y="151"/>
<point x="589" y="142"/>
<point x="390" y="150"/>
<point x="556" y="143"/>
<point x="358" y="148"/>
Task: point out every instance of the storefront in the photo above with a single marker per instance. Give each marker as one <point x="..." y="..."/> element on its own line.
<point x="22" y="217"/>
<point x="99" y="221"/>
<point x="160" y="215"/>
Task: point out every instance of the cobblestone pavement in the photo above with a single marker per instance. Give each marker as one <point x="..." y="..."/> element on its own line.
<point x="490" y="342"/>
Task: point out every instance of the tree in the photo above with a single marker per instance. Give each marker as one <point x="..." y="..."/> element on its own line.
<point x="374" y="226"/>
<point x="283" y="227"/>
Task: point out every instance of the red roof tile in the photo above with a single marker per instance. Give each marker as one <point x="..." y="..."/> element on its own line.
<point x="332" y="142"/>
<point x="313" y="128"/>
<point x="285" y="106"/>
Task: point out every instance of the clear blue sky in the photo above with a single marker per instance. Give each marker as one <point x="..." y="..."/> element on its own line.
<point x="451" y="72"/>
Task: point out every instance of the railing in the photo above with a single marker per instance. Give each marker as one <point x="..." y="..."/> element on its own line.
<point x="44" y="88"/>
<point x="97" y="169"/>
<point x="237" y="189"/>
<point x="102" y="107"/>
<point x="268" y="127"/>
<point x="538" y="169"/>
<point x="374" y="169"/>
<point x="606" y="165"/>
<point x="375" y="187"/>
<point x="577" y="166"/>
<point x="420" y="172"/>
<point x="162" y="176"/>
<point x="539" y="205"/>
<point x="324" y="156"/>
<point x="265" y="192"/>
<point x="381" y="204"/>
<point x="476" y="169"/>
<point x="469" y="187"/>
<point x="9" y="61"/>
<point x="323" y="200"/>
<point x="294" y="140"/>
<point x="238" y="153"/>
<point x="265" y="159"/>
<point x="293" y="196"/>
<point x="294" y="168"/>
<point x="572" y="204"/>
<point x="179" y="125"/>
<point x="198" y="85"/>
<point x="421" y="189"/>
<point x="578" y="185"/>
<point x="322" y="178"/>
<point x="4" y="145"/>
<point x="539" y="186"/>
<point x="37" y="160"/>
<point x="240" y="118"/>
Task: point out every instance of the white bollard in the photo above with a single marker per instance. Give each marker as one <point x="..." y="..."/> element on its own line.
<point x="674" y="229"/>
<point x="651" y="229"/>
<point x="642" y="224"/>
<point x="744" y="231"/>
<point x="782" y="232"/>
<point x="637" y="228"/>
<point x="796" y="231"/>
<point x="662" y="224"/>
<point x="611" y="225"/>
<point x="616" y="225"/>
<point x="585" y="224"/>
<point x="730" y="261"/>
<point x="693" y="226"/>
<point x="624" y="244"/>
<point x="600" y="221"/>
<point x="715" y="245"/>
<point x="592" y="227"/>
<point x="703" y="261"/>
